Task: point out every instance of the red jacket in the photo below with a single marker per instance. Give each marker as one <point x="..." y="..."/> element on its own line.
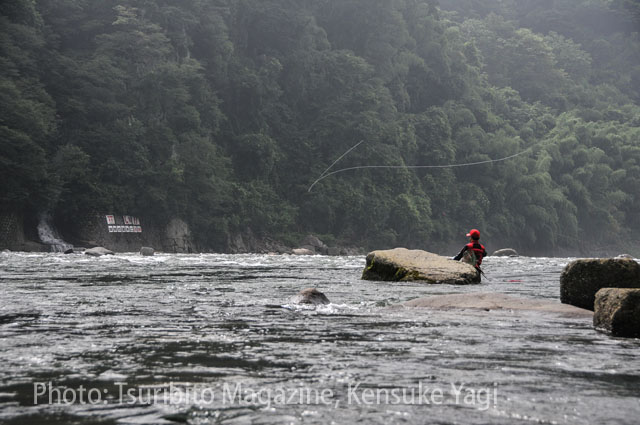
<point x="478" y="250"/>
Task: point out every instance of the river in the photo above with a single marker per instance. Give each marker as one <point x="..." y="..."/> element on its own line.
<point x="213" y="339"/>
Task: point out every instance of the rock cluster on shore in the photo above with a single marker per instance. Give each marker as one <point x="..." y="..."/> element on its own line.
<point x="312" y="245"/>
<point x="401" y="264"/>
<point x="247" y="242"/>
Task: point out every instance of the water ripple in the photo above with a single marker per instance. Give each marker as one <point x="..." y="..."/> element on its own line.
<point x="172" y="329"/>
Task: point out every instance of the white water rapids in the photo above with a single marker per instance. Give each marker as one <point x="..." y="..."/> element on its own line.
<point x="213" y="339"/>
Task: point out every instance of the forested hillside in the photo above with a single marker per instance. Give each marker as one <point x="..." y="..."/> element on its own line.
<point x="224" y="112"/>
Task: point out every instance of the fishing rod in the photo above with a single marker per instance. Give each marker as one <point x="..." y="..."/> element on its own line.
<point x="483" y="275"/>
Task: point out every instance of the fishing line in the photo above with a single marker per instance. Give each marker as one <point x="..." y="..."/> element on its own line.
<point x="324" y="174"/>
<point x="341" y="156"/>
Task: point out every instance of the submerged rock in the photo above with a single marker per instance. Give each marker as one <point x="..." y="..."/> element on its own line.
<point x="401" y="264"/>
<point x="617" y="311"/>
<point x="98" y="251"/>
<point x="505" y="252"/>
<point x="147" y="251"/>
<point x="581" y="279"/>
<point x="310" y="296"/>
<point x="495" y="301"/>
<point x="69" y="251"/>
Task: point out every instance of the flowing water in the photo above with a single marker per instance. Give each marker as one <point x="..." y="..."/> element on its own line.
<point x="212" y="339"/>
<point x="49" y="235"/>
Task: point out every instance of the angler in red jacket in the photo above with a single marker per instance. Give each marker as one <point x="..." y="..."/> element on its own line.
<point x="473" y="249"/>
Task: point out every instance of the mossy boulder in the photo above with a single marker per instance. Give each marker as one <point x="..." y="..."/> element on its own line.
<point x="581" y="279"/>
<point x="401" y="264"/>
<point x="617" y="311"/>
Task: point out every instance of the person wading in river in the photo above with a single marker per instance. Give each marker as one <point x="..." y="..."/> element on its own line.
<point x="474" y="251"/>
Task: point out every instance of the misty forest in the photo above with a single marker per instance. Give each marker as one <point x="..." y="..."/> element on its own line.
<point x="225" y="112"/>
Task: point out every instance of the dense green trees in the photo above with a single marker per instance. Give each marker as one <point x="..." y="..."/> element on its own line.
<point x="223" y="112"/>
<point x="27" y="111"/>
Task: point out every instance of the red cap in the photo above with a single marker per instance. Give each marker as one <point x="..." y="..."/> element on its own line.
<point x="474" y="233"/>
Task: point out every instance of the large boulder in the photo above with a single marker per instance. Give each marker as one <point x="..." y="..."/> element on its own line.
<point x="310" y="296"/>
<point x="617" y="311"/>
<point x="302" y="251"/>
<point x="505" y="252"/>
<point x="401" y="264"/>
<point x="98" y="251"/>
<point x="495" y="301"/>
<point x="581" y="279"/>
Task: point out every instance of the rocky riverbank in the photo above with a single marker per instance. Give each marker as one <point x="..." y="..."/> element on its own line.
<point x="95" y="230"/>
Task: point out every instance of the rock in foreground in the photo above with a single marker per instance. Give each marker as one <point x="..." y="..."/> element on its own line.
<point x="310" y="296"/>
<point x="401" y="264"/>
<point x="495" y="301"/>
<point x="98" y="251"/>
<point x="581" y="279"/>
<point x="617" y="311"/>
